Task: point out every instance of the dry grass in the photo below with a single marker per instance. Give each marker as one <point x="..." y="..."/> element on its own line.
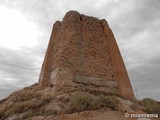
<point x="24" y="106"/>
<point x="24" y="96"/>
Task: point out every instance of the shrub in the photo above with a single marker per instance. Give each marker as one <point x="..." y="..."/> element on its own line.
<point x="152" y="106"/>
<point x="81" y="101"/>
<point x="108" y="101"/>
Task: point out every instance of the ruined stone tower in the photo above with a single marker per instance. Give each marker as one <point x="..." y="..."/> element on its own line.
<point x="83" y="54"/>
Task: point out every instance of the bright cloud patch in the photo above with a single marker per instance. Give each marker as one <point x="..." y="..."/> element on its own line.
<point x="15" y="30"/>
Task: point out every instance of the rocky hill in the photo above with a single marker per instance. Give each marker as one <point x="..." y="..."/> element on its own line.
<point x="37" y="103"/>
<point x="83" y="77"/>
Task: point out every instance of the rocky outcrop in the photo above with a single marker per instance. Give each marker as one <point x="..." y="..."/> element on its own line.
<point x="83" y="50"/>
<point x="39" y="103"/>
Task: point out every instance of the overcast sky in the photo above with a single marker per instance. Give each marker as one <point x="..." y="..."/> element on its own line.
<point x="25" y="28"/>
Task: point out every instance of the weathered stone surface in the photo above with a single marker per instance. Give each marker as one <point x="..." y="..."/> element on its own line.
<point x="83" y="50"/>
<point x="95" y="81"/>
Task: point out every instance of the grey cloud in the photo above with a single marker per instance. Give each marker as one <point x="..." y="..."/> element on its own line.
<point x="134" y="21"/>
<point x="6" y="92"/>
<point x="18" y="69"/>
<point x="146" y="79"/>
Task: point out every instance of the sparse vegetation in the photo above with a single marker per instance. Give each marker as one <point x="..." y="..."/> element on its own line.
<point x="108" y="101"/>
<point x="26" y="102"/>
<point x="81" y="101"/>
<point x="151" y="105"/>
<point x="24" y="96"/>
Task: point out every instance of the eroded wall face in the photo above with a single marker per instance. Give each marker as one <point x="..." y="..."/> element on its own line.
<point x="80" y="51"/>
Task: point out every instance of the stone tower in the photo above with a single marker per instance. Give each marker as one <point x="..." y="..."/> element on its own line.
<point x="83" y="54"/>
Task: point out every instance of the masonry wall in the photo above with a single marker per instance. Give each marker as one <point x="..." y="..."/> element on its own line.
<point x="83" y="50"/>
